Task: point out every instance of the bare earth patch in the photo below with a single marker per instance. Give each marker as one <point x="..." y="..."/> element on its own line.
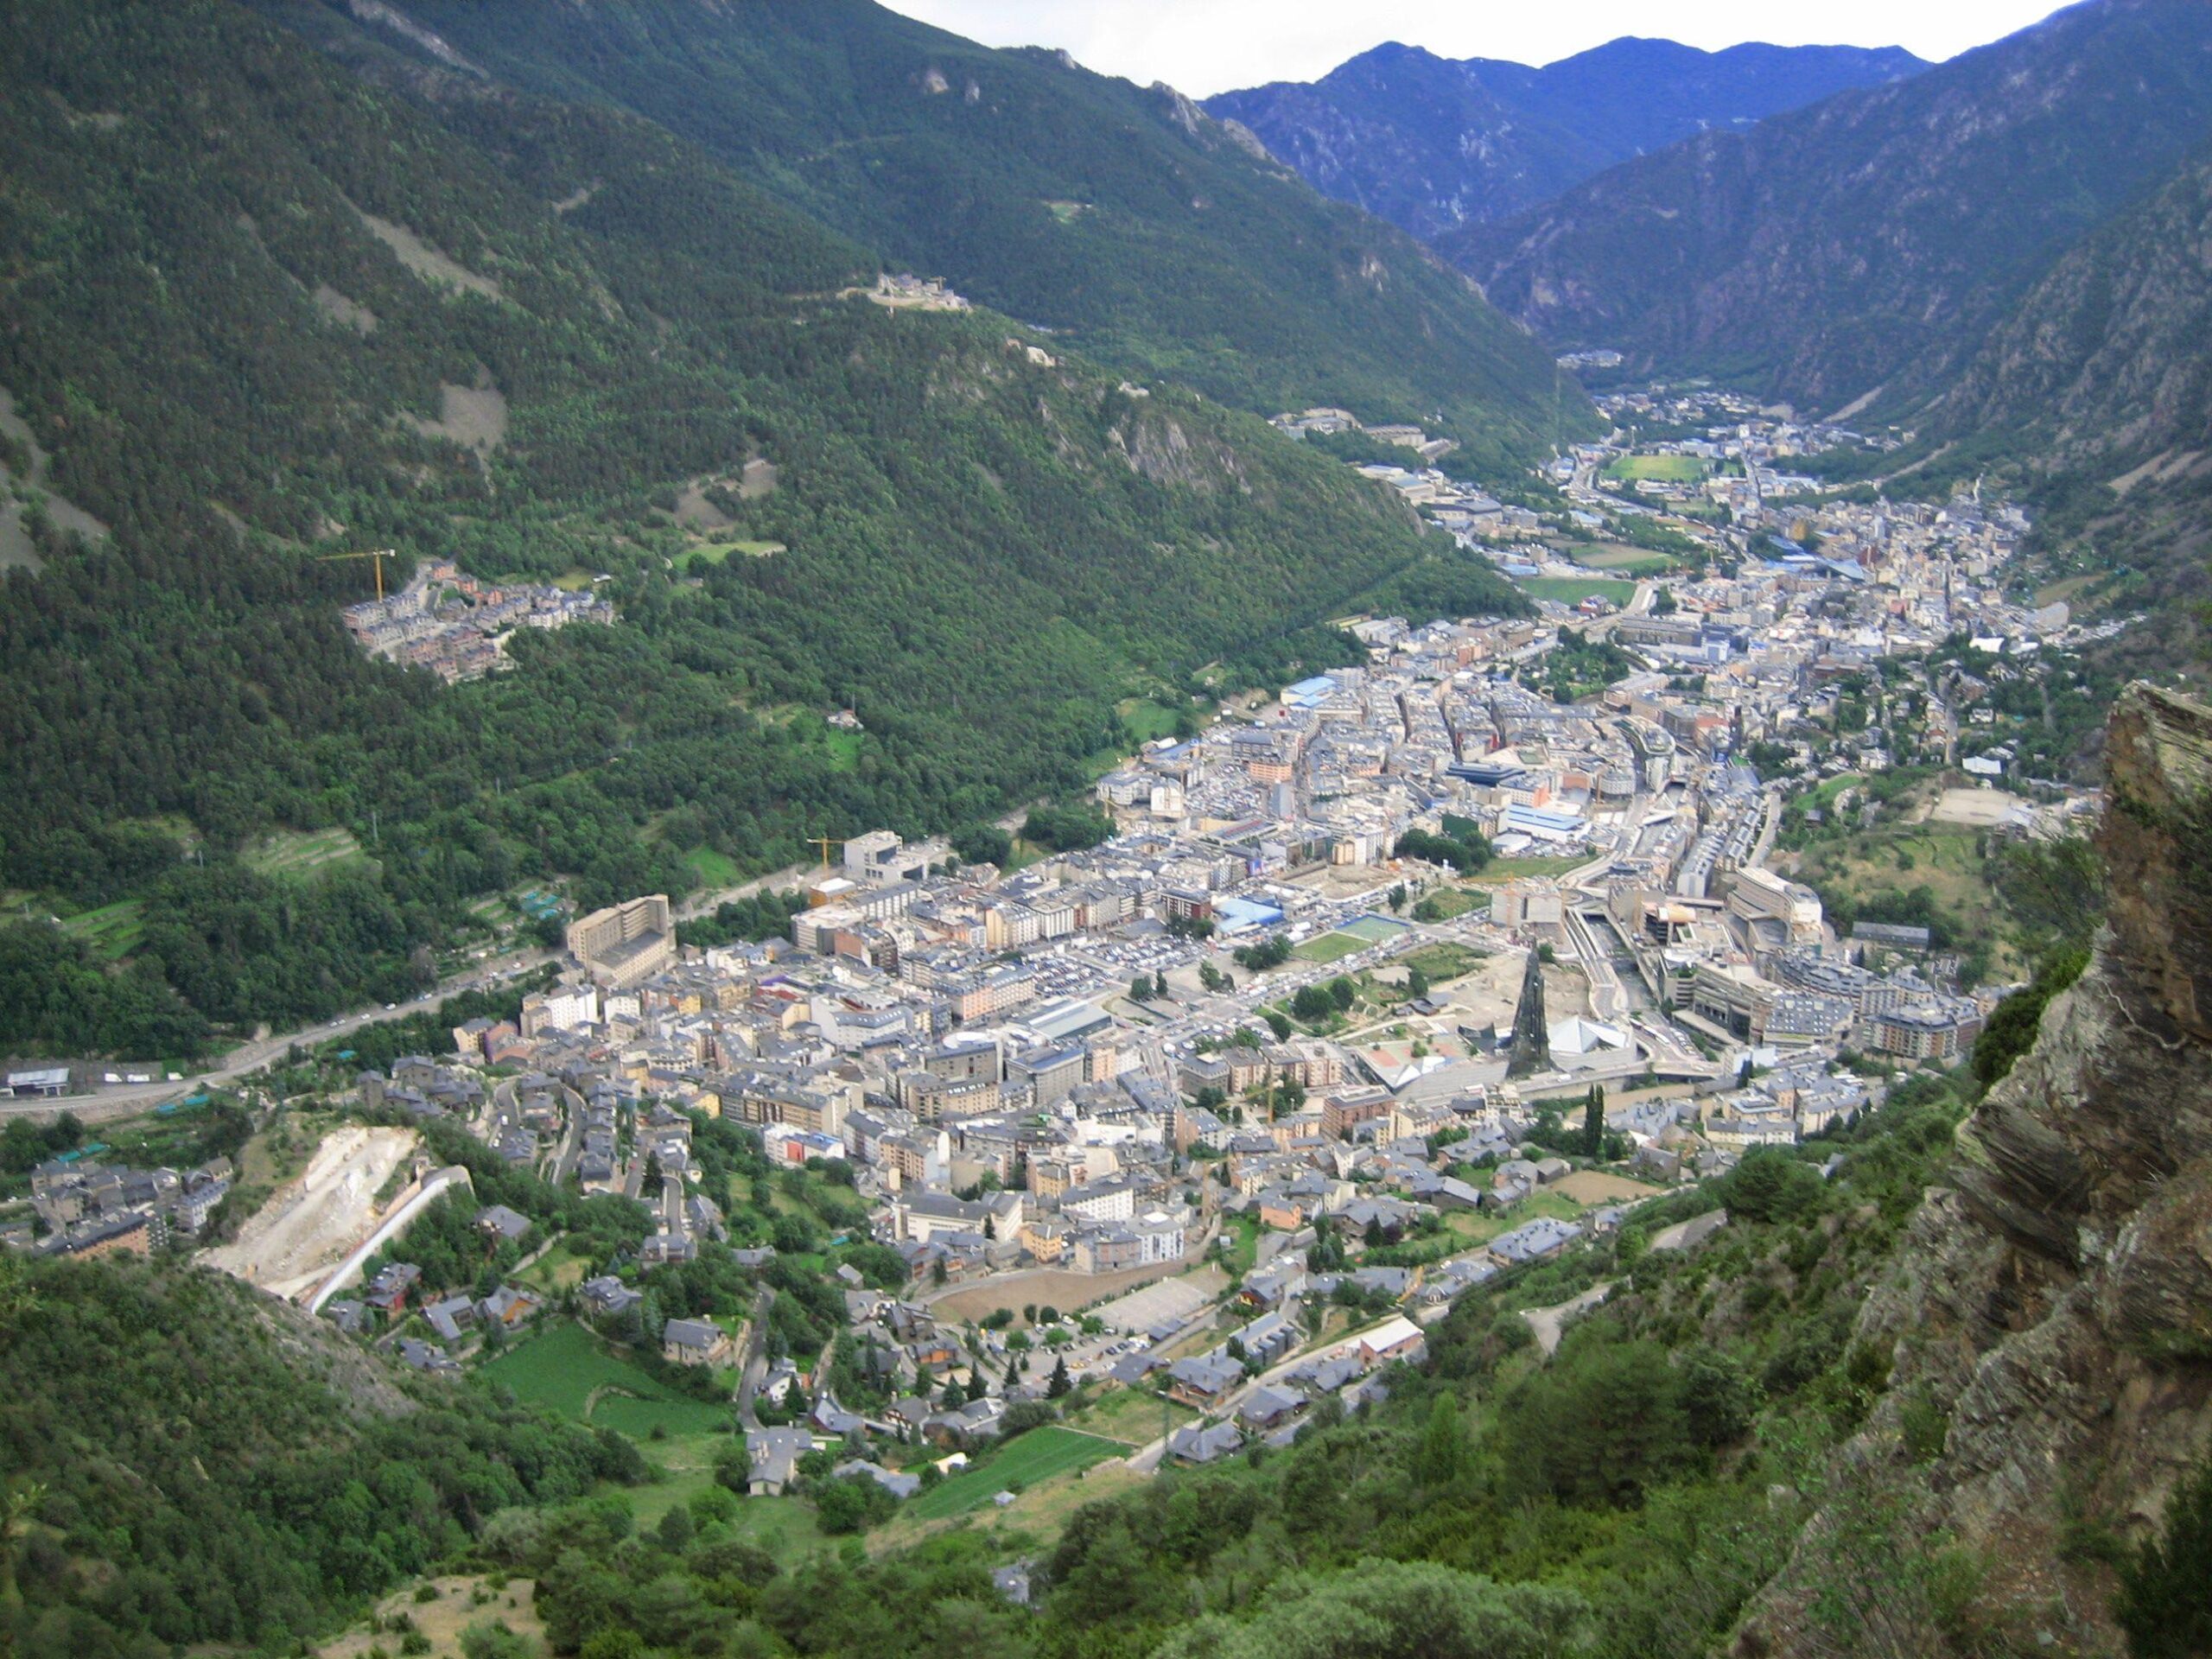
<point x="1595" y="1186"/>
<point x="305" y="1229"/>
<point x="425" y="261"/>
<point x="1065" y="1291"/>
<point x="442" y="1621"/>
<point x="338" y="309"/>
<point x="1978" y="809"/>
<point x="476" y="417"/>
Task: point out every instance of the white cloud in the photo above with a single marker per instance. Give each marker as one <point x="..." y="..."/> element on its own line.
<point x="1205" y="47"/>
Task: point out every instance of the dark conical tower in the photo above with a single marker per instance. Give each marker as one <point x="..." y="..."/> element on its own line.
<point x="1532" y="1045"/>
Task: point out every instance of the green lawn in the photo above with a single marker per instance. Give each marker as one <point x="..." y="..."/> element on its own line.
<point x="714" y="869"/>
<point x="1132" y="1416"/>
<point x="109" y="932"/>
<point x="1329" y="947"/>
<point x="845" y="749"/>
<point x="1664" y="469"/>
<point x="1037" y="1456"/>
<point x="566" y="1366"/>
<point x="1573" y="590"/>
<point x="1448" y="903"/>
<point x="1243" y="1232"/>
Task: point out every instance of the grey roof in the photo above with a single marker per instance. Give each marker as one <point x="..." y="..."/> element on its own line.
<point x="1205" y="1445"/>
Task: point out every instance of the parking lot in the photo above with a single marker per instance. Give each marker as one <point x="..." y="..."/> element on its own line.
<point x="1154" y="1304"/>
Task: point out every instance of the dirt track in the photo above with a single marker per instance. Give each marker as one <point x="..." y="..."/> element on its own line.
<point x="306" y="1229"/>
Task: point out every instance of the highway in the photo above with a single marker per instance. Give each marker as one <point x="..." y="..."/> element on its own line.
<point x="127" y="1100"/>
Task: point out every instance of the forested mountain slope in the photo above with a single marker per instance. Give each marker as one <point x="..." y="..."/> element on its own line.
<point x="261" y="308"/>
<point x="1126" y="218"/>
<point x="1872" y="241"/>
<point x="206" y="1465"/>
<point x="1431" y="144"/>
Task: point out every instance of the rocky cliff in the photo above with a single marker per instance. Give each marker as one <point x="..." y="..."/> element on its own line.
<point x="2049" y="1325"/>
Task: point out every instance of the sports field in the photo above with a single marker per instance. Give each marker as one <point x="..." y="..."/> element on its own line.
<point x="1573" y="590"/>
<point x="1329" y="947"/>
<point x="1374" y="929"/>
<point x="1037" y="1456"/>
<point x="1664" y="469"/>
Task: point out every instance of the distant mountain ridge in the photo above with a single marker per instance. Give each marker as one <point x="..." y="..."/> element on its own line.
<point x="1871" y="242"/>
<point x="1431" y="144"/>
<point x="1126" y="219"/>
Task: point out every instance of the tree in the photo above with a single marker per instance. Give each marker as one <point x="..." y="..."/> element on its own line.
<point x="2165" y="1591"/>
<point x="654" y="1179"/>
<point x="1343" y="993"/>
<point x="1159" y="984"/>
<point x="1141" y="988"/>
<point x="1720" y="1397"/>
<point x="1312" y="1004"/>
<point x="1442" y="1445"/>
<point x="676" y="1530"/>
<point x="1398" y="897"/>
<point x="1059" y="1384"/>
<point x="1278" y="1023"/>
<point x="1417" y="984"/>
<point x="1593" y="1121"/>
<point x="990" y="1226"/>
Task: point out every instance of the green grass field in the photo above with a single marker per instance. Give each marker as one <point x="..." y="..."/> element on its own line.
<point x="1441" y="961"/>
<point x="1500" y="870"/>
<point x="714" y="869"/>
<point x="290" y="853"/>
<point x="1573" y="590"/>
<point x="1147" y="721"/>
<point x="1664" y="469"/>
<point x="109" y="932"/>
<point x="569" y="1370"/>
<point x="845" y="750"/>
<point x="1447" y="904"/>
<point x="717" y="552"/>
<point x="1034" y="1457"/>
<point x="1329" y="947"/>
<point x="1627" y="561"/>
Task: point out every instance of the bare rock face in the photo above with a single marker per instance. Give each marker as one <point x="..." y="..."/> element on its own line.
<point x="2054" y="1305"/>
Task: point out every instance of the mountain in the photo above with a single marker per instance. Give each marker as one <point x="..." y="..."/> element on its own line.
<point x="2046" y="1318"/>
<point x="209" y="1464"/>
<point x="270" y="306"/>
<point x="1430" y="144"/>
<point x="1871" y="242"/>
<point x="1135" y="226"/>
<point x="2103" y="360"/>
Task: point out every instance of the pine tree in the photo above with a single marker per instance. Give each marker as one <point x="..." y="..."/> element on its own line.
<point x="1060" y="1383"/>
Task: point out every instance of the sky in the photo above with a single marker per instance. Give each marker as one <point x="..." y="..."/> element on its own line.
<point x="1205" y="47"/>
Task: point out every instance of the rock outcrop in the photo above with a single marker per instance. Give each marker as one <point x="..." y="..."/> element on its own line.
<point x="2051" y="1312"/>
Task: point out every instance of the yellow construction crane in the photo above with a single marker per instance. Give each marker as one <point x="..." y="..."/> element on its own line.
<point x="825" y="843"/>
<point x="377" y="557"/>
